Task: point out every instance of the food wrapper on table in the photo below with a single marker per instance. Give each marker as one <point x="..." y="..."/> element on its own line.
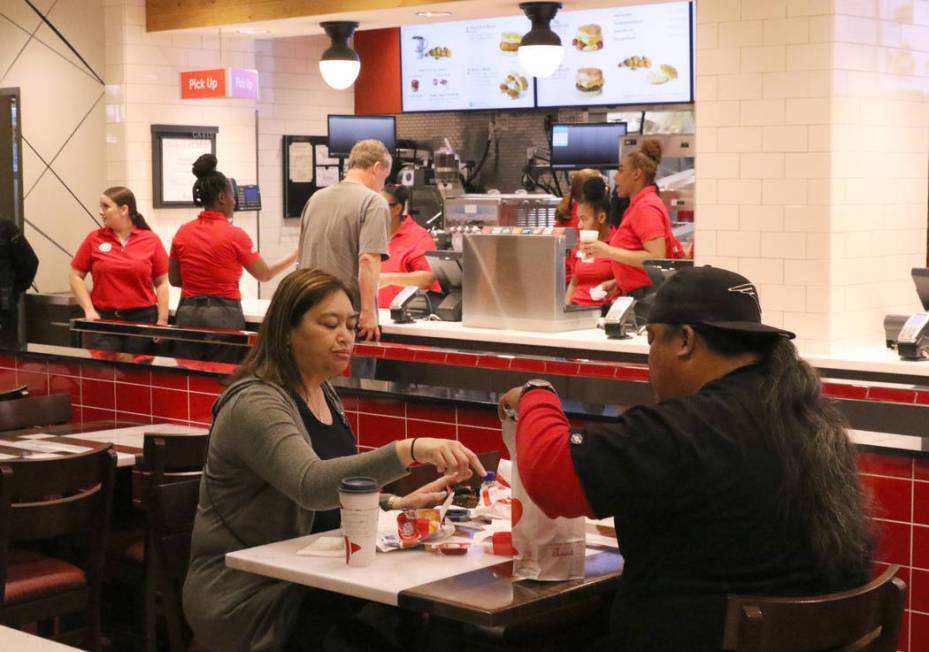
<point x="495" y="501"/>
<point x="408" y="528"/>
<point x="547" y="549"/>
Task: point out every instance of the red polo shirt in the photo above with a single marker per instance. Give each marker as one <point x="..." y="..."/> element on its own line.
<point x="212" y="253"/>
<point x="124" y="276"/>
<point x="588" y="276"/>
<point x="644" y="220"/>
<point x="407" y="248"/>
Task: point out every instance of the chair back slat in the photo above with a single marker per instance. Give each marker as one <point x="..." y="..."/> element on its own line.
<point x="170" y="454"/>
<point x="35" y="411"/>
<point x="35" y="479"/>
<point x="866" y="619"/>
<point x="55" y="517"/>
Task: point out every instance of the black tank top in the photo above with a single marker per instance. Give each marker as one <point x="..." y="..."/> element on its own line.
<point x="328" y="441"/>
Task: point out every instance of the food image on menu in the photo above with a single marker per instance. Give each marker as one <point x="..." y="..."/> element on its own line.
<point x="437" y="81"/>
<point x="509" y="42"/>
<point x="635" y="63"/>
<point x="438" y="52"/>
<point x="589" y="81"/>
<point x="589" y="38"/>
<point x="414" y="84"/>
<point x="664" y="74"/>
<point x="514" y="85"/>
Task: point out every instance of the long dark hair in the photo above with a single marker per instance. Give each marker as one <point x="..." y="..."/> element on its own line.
<point x="272" y="360"/>
<point x="122" y="196"/>
<point x="210" y="181"/>
<point x="808" y="434"/>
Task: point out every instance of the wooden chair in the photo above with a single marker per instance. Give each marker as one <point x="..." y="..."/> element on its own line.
<point x="64" y="501"/>
<point x="167" y="458"/>
<point x="35" y="411"/>
<point x="425" y="473"/>
<point x="172" y="506"/>
<point x="866" y="619"/>
<point x="14" y="393"/>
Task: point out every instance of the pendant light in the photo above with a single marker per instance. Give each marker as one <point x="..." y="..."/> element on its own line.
<point x="540" y="51"/>
<point x="339" y="65"/>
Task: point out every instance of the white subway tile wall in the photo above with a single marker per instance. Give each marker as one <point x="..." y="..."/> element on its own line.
<point x="812" y="151"/>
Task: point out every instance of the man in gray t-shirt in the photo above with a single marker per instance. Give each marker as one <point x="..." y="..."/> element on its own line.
<point x="344" y="230"/>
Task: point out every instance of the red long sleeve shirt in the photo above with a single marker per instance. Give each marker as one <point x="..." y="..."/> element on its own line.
<point x="544" y="456"/>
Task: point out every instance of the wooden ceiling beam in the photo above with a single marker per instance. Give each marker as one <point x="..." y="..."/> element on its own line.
<point x="163" y="15"/>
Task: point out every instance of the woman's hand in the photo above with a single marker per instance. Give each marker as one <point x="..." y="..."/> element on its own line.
<point x="449" y="457"/>
<point x="597" y="249"/>
<point x="429" y="495"/>
<point x="509" y="403"/>
<point x="90" y="314"/>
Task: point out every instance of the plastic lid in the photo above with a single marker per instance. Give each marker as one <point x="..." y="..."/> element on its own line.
<point x="490" y="477"/>
<point x="358" y="485"/>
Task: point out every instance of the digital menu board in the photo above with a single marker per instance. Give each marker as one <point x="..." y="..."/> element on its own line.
<point x="624" y="55"/>
<point x="462" y="65"/>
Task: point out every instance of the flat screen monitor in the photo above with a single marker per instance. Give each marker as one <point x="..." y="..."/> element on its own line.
<point x="589" y="145"/>
<point x="446" y="265"/>
<point x="465" y="65"/>
<point x="633" y="54"/>
<point x="346" y="130"/>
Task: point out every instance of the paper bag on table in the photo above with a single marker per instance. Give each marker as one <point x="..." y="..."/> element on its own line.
<point x="546" y="548"/>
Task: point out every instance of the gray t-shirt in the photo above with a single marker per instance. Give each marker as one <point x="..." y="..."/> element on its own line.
<point x="340" y="223"/>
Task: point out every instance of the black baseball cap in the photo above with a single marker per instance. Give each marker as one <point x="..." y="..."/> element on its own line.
<point x="714" y="297"/>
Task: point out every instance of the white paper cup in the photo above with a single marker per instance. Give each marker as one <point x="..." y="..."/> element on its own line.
<point x="587" y="235"/>
<point x="358" y="500"/>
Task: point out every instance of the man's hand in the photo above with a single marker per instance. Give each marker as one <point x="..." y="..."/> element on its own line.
<point x="509" y="403"/>
<point x="367" y="326"/>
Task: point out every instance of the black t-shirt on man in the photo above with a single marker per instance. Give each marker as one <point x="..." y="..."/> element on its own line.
<point x="694" y="489"/>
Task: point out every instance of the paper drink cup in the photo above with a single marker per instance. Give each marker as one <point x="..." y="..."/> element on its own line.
<point x="587" y="235"/>
<point x="358" y="502"/>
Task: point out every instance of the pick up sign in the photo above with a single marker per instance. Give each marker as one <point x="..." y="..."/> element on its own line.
<point x="219" y="82"/>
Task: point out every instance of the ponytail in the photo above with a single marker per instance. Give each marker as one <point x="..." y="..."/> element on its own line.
<point x="122" y="196"/>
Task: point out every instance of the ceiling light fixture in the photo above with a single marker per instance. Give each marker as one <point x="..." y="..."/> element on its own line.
<point x="540" y="51"/>
<point x="432" y="14"/>
<point x="339" y="65"/>
<point x="252" y="31"/>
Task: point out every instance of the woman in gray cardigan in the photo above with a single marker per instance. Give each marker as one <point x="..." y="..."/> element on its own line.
<point x="265" y="480"/>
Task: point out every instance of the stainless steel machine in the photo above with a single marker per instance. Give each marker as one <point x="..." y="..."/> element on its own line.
<point x="471" y="213"/>
<point x="514" y="278"/>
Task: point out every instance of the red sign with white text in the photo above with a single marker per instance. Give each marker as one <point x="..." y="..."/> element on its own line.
<point x="203" y="83"/>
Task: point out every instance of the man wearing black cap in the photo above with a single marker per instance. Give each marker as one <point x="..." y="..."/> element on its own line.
<point x="740" y="480"/>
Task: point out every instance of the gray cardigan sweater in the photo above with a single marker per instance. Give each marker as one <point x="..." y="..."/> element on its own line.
<point x="264" y="480"/>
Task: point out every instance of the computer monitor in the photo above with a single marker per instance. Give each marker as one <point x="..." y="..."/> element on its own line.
<point x="588" y="145"/>
<point x="446" y="265"/>
<point x="921" y="279"/>
<point x="346" y="130"/>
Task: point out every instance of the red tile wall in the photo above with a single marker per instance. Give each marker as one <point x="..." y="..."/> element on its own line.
<point x="100" y="391"/>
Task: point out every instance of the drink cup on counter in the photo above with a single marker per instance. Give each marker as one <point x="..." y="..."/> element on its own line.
<point x="358" y="500"/>
<point x="587" y="235"/>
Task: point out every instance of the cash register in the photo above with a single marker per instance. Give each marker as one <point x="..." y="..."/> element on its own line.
<point x="909" y="334"/>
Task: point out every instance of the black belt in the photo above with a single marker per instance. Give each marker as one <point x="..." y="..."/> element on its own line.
<point x="209" y="300"/>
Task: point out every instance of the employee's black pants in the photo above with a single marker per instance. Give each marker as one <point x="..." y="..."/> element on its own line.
<point x="205" y="311"/>
<point x="124" y="343"/>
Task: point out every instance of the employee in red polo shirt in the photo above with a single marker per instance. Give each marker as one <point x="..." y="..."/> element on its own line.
<point x="129" y="267"/>
<point x="566" y="214"/>
<point x="408" y="245"/>
<point x="593" y="283"/>
<point x="207" y="258"/>
<point x="645" y="231"/>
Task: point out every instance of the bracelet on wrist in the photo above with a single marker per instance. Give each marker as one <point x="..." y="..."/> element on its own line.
<point x="412" y="446"/>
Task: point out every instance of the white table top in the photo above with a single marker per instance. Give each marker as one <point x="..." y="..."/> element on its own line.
<point x="132" y="437"/>
<point x="382" y="581"/>
<point x="13" y="640"/>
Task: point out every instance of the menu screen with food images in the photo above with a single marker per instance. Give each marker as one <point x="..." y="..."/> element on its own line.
<point x="624" y="55"/>
<point x="462" y="65"/>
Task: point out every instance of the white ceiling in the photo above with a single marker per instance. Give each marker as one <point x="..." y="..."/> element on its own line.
<point x="462" y="10"/>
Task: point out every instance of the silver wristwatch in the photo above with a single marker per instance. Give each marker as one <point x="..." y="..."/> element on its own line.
<point x="536" y="383"/>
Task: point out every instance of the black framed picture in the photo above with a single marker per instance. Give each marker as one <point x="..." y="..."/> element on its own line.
<point x="174" y="150"/>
